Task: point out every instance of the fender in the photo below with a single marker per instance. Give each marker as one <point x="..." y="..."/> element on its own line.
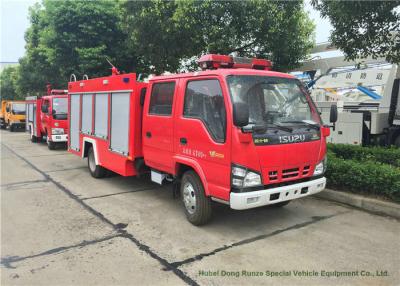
<point x="196" y="167"/>
<point x="93" y="141"/>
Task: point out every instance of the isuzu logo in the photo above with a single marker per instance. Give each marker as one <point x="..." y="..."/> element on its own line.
<point x="273" y="139"/>
<point x="292" y="138"/>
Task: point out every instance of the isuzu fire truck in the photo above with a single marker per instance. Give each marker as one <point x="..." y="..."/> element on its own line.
<point x="47" y="117"/>
<point x="235" y="133"/>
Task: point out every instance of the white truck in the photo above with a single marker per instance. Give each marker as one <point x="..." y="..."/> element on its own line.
<point x="365" y="91"/>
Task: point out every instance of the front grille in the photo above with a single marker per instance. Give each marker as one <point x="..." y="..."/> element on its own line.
<point x="273" y="175"/>
<point x="290" y="173"/>
<point x="278" y="175"/>
<point x="306" y="170"/>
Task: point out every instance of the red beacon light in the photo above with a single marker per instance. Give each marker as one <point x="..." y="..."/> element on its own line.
<point x="213" y="61"/>
<point x="51" y="91"/>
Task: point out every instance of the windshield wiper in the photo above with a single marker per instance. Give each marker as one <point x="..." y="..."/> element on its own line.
<point x="315" y="126"/>
<point x="260" y="128"/>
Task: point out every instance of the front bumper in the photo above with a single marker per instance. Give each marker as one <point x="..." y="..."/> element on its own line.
<point x="241" y="201"/>
<point x="59" y="138"/>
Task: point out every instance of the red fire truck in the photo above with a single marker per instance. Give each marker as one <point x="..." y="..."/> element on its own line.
<point x="235" y="133"/>
<point x="47" y="117"/>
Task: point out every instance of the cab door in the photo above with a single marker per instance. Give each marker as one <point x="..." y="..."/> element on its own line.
<point x="44" y="116"/>
<point x="158" y="125"/>
<point x="201" y="132"/>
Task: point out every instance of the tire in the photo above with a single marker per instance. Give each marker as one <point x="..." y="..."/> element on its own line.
<point x="196" y="204"/>
<point x="12" y="129"/>
<point x="51" y="145"/>
<point x="397" y="142"/>
<point x="34" y="139"/>
<point x="96" y="171"/>
<point x="281" y="204"/>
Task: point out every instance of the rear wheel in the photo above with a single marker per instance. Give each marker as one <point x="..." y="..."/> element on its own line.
<point x="197" y="205"/>
<point x="96" y="171"/>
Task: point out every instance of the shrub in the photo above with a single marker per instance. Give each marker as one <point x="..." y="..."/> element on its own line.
<point x="365" y="177"/>
<point x="389" y="156"/>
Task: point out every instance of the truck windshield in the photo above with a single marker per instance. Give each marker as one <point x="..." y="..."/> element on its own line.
<point x="18" y="108"/>
<point x="274" y="100"/>
<point x="60" y="108"/>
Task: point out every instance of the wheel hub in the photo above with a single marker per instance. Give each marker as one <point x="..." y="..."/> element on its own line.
<point x="189" y="198"/>
<point x="92" y="163"/>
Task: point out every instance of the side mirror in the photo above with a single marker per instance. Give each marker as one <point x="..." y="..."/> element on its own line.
<point x="45" y="109"/>
<point x="333" y="116"/>
<point x="240" y="114"/>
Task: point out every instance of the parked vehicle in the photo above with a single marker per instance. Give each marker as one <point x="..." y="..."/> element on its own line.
<point x="13" y="114"/>
<point x="235" y="133"/>
<point x="366" y="91"/>
<point x="47" y="117"/>
<point x="3" y="114"/>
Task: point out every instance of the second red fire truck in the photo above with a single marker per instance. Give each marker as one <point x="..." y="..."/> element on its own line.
<point x="47" y="116"/>
<point x="235" y="133"/>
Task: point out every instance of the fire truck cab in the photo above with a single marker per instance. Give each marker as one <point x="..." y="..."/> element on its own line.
<point x="235" y="133"/>
<point x="47" y="117"/>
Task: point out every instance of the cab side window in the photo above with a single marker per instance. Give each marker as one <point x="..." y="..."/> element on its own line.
<point x="161" y="99"/>
<point x="204" y="101"/>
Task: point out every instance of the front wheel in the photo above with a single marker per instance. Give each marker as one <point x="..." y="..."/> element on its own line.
<point x="11" y="128"/>
<point x="96" y="171"/>
<point x="281" y="204"/>
<point x="50" y="144"/>
<point x="197" y="205"/>
<point x="397" y="141"/>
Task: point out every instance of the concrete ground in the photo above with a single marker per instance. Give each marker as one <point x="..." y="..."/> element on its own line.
<point x="60" y="226"/>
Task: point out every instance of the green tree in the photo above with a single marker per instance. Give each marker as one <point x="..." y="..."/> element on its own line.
<point x="8" y="83"/>
<point x="364" y="28"/>
<point x="68" y="37"/>
<point x="168" y="33"/>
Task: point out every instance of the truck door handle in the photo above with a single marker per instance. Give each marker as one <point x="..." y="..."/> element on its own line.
<point x="183" y="141"/>
<point x="148" y="134"/>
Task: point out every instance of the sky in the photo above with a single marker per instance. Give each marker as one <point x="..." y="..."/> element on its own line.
<point x="14" y="22"/>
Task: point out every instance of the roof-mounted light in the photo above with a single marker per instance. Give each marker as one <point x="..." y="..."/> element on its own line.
<point x="213" y="61"/>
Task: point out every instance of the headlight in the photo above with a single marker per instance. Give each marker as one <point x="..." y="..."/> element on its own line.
<point x="243" y="178"/>
<point x="57" y="131"/>
<point x="321" y="167"/>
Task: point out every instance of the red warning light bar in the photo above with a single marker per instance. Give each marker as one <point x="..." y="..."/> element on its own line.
<point x="213" y="61"/>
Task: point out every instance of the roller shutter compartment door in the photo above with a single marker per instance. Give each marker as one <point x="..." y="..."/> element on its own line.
<point x="120" y="103"/>
<point x="101" y="115"/>
<point x="87" y="104"/>
<point x="74" y="122"/>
